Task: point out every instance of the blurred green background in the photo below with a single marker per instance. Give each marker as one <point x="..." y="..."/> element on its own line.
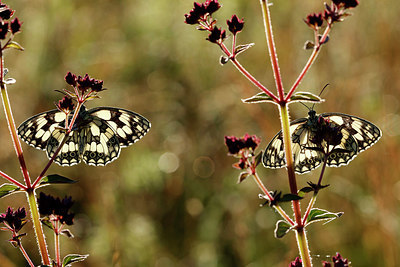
<point x="172" y="198"/>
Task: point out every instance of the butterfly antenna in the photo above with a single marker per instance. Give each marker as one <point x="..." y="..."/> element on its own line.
<point x="305" y="106"/>
<point x="326" y="85"/>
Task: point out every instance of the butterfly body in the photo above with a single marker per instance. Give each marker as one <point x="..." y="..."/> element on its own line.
<point x="334" y="137"/>
<point x="97" y="134"/>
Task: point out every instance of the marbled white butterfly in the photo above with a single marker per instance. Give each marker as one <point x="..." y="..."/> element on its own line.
<point x="97" y="135"/>
<point x="309" y="150"/>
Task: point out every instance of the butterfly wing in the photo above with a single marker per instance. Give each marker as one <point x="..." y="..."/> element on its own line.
<point x="100" y="144"/>
<point x="128" y="126"/>
<point x="69" y="154"/>
<point x="37" y="130"/>
<point x="304" y="159"/>
<point x="364" y="132"/>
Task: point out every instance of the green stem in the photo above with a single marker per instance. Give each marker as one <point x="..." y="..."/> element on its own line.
<point x="38" y="227"/>
<point x="302" y="244"/>
<point x="300" y="232"/>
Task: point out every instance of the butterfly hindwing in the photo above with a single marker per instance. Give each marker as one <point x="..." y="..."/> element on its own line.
<point x="69" y="154"/>
<point x="100" y="143"/>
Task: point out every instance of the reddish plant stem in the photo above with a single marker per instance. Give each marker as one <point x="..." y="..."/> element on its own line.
<point x="26" y="256"/>
<point x="12" y="180"/>
<point x="41" y="175"/>
<point x="310" y="61"/>
<point x="272" y="50"/>
<point x="11" y="125"/>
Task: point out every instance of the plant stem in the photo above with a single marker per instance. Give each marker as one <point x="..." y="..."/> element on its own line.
<point x="12" y="128"/>
<point x="271" y="48"/>
<point x="276" y="207"/>
<point x="310" y="61"/>
<point x="12" y="180"/>
<point x="57" y="243"/>
<point x="38" y="226"/>
<point x="302" y="244"/>
<point x="309" y="207"/>
<point x="26" y="256"/>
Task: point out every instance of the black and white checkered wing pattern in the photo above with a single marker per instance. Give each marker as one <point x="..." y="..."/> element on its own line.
<point x="69" y="154"/>
<point x="128" y="126"/>
<point x="100" y="144"/>
<point x="37" y="130"/>
<point x="364" y="132"/>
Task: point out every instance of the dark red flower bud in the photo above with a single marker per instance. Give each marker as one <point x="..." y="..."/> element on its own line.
<point x="65" y="105"/>
<point x="3" y="30"/>
<point x="314" y="20"/>
<point x="15" y="26"/>
<point x="332" y="13"/>
<point x="97" y="85"/>
<point x="296" y="263"/>
<point x="70" y="79"/>
<point x="251" y="141"/>
<point x="6" y="13"/>
<point x="346" y="3"/>
<point x="197" y="13"/>
<point x="235" y="24"/>
<point x="14" y="220"/>
<point x="338" y="261"/>
<point x="211" y="6"/>
<point x="216" y="35"/>
<point x="326" y="264"/>
<point x="233" y="144"/>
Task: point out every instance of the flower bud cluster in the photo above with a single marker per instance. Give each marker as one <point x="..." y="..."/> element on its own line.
<point x="13" y="221"/>
<point x="6" y="26"/>
<point x="202" y="14"/>
<point x="243" y="148"/>
<point x="338" y="261"/>
<point x="56" y="209"/>
<point x="335" y="12"/>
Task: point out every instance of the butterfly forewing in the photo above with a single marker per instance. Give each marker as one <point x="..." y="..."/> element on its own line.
<point x="362" y="130"/>
<point x="36" y="130"/>
<point x="96" y="137"/>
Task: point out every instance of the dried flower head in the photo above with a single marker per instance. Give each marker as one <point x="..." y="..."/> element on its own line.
<point x="13" y="220"/>
<point x="314" y="20"/>
<point x="235" y="24"/>
<point x="200" y="11"/>
<point x="57" y="209"/>
<point x="216" y="36"/>
<point x="296" y="263"/>
<point x="65" y="105"/>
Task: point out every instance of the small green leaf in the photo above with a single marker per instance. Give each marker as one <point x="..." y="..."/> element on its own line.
<point x="56" y="179"/>
<point x="241" y="48"/>
<point x="282" y="228"/>
<point x="8" y="189"/>
<point x="305" y="97"/>
<point x="242" y="176"/>
<point x="46" y="221"/>
<point x="257" y="159"/>
<point x="259" y="98"/>
<point x="71" y="258"/>
<point x="322" y="215"/>
<point x="14" y="45"/>
<point x="289" y="197"/>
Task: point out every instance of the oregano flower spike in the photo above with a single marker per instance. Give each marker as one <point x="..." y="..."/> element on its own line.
<point x="84" y="88"/>
<point x="56" y="209"/>
<point x="13" y="221"/>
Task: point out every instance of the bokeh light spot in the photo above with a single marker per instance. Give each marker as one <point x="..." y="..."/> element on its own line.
<point x="168" y="162"/>
<point x="203" y="167"/>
